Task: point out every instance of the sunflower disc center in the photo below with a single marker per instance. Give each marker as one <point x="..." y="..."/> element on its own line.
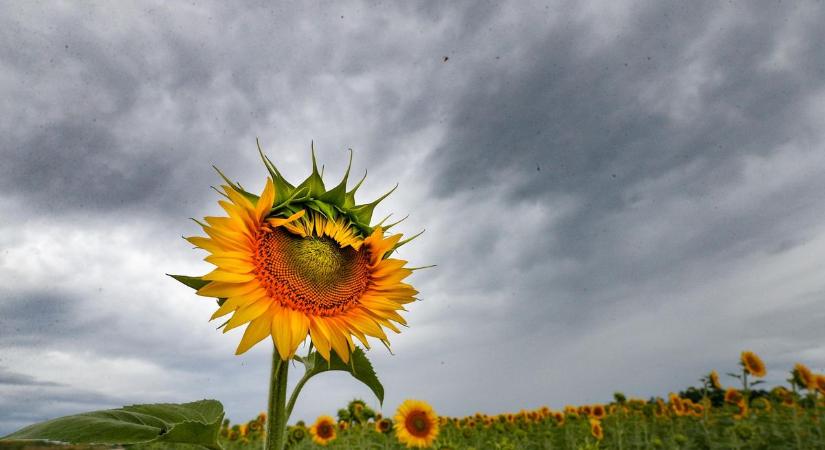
<point x="417" y="424"/>
<point x="313" y="274"/>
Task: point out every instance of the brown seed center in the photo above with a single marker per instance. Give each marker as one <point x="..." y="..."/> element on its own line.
<point x="314" y="275"/>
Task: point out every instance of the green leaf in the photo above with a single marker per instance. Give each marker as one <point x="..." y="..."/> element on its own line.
<point x="359" y="367"/>
<point x="195" y="423"/>
<point x="193" y="282"/>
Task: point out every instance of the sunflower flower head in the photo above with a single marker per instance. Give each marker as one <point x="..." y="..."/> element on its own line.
<point x="596" y="429"/>
<point x="323" y="430"/>
<point x="820" y="383"/>
<point x="713" y="378"/>
<point x="733" y="396"/>
<point x="753" y="364"/>
<point x="384" y="425"/>
<point x="303" y="261"/>
<point x="416" y="424"/>
<point x="803" y="376"/>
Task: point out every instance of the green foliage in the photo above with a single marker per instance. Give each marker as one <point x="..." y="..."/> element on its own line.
<point x="359" y="367"/>
<point x="193" y="282"/>
<point x="196" y="423"/>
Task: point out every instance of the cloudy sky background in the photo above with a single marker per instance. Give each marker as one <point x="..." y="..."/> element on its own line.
<point x="618" y="195"/>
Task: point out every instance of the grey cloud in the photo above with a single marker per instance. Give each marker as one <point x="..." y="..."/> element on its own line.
<point x="581" y="184"/>
<point x="7" y="377"/>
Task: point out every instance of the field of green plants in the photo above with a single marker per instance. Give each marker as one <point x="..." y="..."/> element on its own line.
<point x="710" y="416"/>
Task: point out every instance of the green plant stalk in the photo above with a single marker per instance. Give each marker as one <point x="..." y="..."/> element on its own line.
<point x="276" y="413"/>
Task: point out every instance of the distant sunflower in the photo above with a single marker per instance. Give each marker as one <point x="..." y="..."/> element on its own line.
<point x="596" y="429"/>
<point x="416" y="424"/>
<point x="753" y="364"/>
<point x="323" y="430"/>
<point x="384" y="425"/>
<point x="598" y="412"/>
<point x="676" y="404"/>
<point x="303" y="261"/>
<point x="714" y="380"/>
<point x="820" y="383"/>
<point x="804" y="377"/>
<point x="733" y="396"/>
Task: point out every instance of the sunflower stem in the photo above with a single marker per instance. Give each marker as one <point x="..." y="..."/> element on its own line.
<point x="276" y="423"/>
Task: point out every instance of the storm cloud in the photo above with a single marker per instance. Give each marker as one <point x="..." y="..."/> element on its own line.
<point x="617" y="195"/>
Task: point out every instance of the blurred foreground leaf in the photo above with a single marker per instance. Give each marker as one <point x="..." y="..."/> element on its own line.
<point x="195" y="423"/>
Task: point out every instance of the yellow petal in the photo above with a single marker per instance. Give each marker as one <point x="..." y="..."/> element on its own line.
<point x="229" y="277"/>
<point x="318" y="333"/>
<point x="231" y="264"/>
<point x="255" y="332"/>
<point x="220" y="289"/>
<point x="233" y="303"/>
<point x="278" y="221"/>
<point x="282" y="332"/>
<point x="266" y="200"/>
<point x="247" y="313"/>
<point x="205" y="243"/>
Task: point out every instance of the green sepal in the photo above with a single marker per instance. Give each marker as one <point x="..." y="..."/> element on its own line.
<point x="322" y="207"/>
<point x="364" y="212"/>
<point x="196" y="423"/>
<point x="193" y="282"/>
<point x="249" y="196"/>
<point x="314" y="182"/>
<point x="338" y="194"/>
<point x="283" y="188"/>
<point x="349" y="198"/>
<point x="402" y="242"/>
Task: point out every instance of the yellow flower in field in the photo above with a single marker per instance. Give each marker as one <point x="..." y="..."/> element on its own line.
<point x="676" y="404"/>
<point x="571" y="410"/>
<point x="753" y="364"/>
<point x="733" y="396"/>
<point x="820" y="383"/>
<point x="763" y="404"/>
<point x="303" y="261"/>
<point x="343" y="425"/>
<point x="596" y="429"/>
<point x="598" y="412"/>
<point x="585" y="410"/>
<point x="416" y="424"/>
<point x="559" y="418"/>
<point x="714" y="380"/>
<point x="743" y="410"/>
<point x="804" y="377"/>
<point x="262" y="417"/>
<point x="383" y="425"/>
<point x="323" y="430"/>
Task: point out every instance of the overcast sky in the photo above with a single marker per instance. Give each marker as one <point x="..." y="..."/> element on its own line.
<point x="618" y="195"/>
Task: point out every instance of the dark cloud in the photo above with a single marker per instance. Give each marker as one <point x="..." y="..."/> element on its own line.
<point x="8" y="377"/>
<point x="592" y="179"/>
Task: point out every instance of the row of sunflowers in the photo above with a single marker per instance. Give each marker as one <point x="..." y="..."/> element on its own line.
<point x="710" y="416"/>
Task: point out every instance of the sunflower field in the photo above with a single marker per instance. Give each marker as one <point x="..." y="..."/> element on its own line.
<point x="710" y="416"/>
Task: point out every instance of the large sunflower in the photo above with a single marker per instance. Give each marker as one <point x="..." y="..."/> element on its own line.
<point x="303" y="261"/>
<point x="416" y="424"/>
